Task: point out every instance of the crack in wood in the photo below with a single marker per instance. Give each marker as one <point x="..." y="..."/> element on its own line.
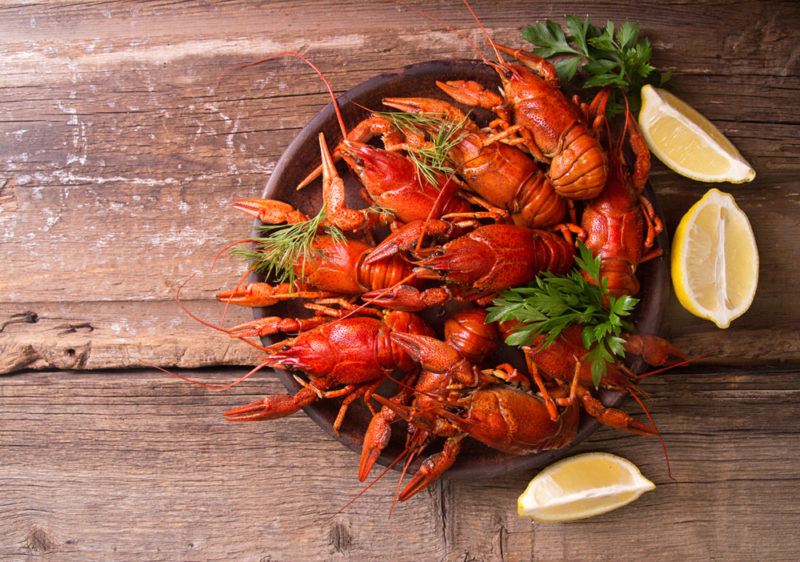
<point x="72" y="328"/>
<point x="500" y="538"/>
<point x="440" y="494"/>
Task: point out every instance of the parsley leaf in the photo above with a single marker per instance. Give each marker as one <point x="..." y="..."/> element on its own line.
<point x="552" y="303"/>
<point x="611" y="56"/>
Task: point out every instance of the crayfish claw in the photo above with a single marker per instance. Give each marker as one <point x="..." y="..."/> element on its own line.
<point x="263" y="294"/>
<point x="270" y="211"/>
<point x="654" y="350"/>
<point x="254" y="294"/>
<point x="376" y="438"/>
<point x="407" y="298"/>
<point x="434" y="355"/>
<point x="470" y="93"/>
<point x="433" y="467"/>
<point x="405" y="238"/>
<point x="272" y="407"/>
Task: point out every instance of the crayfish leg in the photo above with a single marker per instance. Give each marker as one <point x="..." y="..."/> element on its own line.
<point x="613" y="417"/>
<point x="353" y="393"/>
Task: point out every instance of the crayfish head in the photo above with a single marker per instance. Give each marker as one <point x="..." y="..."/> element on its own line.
<point x="379" y="170"/>
<point x="310" y="355"/>
<point x="516" y="81"/>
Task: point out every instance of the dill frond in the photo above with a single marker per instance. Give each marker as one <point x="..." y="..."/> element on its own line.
<point x="283" y="245"/>
<point x="434" y="160"/>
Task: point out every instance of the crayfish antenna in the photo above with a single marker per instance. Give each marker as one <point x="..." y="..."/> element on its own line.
<point x="450" y="28"/>
<point x="297" y="55"/>
<point x="412" y="454"/>
<point x="655" y="428"/>
<point x="206" y="323"/>
<point x="227" y="247"/>
<point x="364" y="489"/>
<point x="682" y="363"/>
<point x="216" y="387"/>
<point x="485" y="32"/>
<point x="238" y="286"/>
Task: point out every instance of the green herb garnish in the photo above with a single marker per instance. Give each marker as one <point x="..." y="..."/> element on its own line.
<point x="283" y="245"/>
<point x="609" y="56"/>
<point x="434" y="160"/>
<point x="552" y="303"/>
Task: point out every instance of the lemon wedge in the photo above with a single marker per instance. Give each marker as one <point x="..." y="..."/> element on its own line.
<point x="715" y="259"/>
<point x="582" y="486"/>
<point x="687" y="142"/>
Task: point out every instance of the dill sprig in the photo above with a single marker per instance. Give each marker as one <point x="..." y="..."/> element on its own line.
<point x="283" y="245"/>
<point x="552" y="303"/>
<point x="433" y="160"/>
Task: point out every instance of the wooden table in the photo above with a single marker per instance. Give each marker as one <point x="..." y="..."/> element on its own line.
<point x="120" y="157"/>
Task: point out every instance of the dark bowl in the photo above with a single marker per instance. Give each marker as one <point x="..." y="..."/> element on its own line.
<point x="302" y="155"/>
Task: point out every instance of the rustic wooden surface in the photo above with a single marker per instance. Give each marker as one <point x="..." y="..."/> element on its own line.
<point x="120" y="155"/>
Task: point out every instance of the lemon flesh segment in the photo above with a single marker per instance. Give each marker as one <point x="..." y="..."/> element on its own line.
<point x="715" y="260"/>
<point x="582" y="486"/>
<point x="687" y="142"/>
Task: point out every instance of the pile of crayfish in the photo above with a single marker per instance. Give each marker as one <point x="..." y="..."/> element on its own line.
<point x="546" y="172"/>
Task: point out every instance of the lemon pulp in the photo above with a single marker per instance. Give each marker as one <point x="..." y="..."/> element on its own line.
<point x="715" y="259"/>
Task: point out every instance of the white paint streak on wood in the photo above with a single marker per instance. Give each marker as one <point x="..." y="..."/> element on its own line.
<point x="38" y="63"/>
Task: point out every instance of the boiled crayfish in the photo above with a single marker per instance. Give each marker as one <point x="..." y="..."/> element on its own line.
<point x="494" y="223"/>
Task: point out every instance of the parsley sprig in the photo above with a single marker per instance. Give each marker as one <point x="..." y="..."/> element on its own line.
<point x="283" y="245"/>
<point x="552" y="303"/>
<point x="609" y="56"/>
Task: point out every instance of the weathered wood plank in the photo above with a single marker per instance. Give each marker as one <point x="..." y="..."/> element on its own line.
<point x="108" y="335"/>
<point x="117" y="161"/>
<point x="121" y="156"/>
<point x="103" y="335"/>
<point x="135" y="465"/>
<point x="144" y="467"/>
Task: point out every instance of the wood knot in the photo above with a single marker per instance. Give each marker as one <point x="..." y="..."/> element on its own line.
<point x="38" y="541"/>
<point x="27" y="317"/>
<point x="339" y="537"/>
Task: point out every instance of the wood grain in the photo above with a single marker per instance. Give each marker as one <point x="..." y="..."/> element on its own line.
<point x="134" y="465"/>
<point x="122" y="153"/>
